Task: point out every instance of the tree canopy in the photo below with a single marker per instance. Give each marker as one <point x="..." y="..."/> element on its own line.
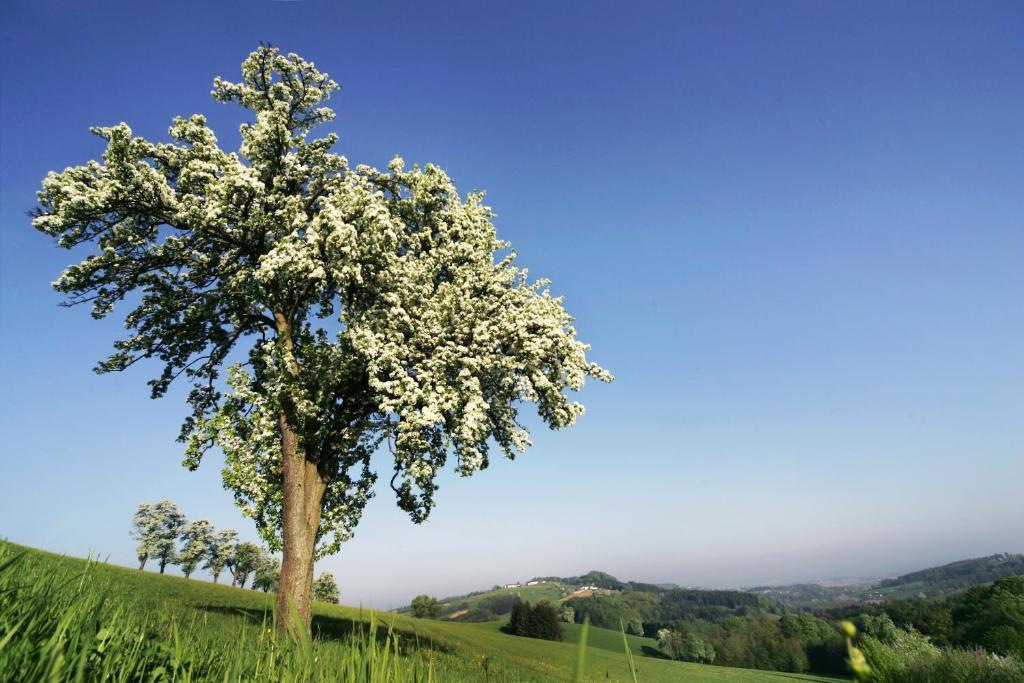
<point x="364" y="307"/>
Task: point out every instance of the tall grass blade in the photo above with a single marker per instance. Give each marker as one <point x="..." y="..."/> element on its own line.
<point x="581" y="652"/>
<point x="629" y="653"/>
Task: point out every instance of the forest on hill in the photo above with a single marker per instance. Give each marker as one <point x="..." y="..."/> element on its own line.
<point x="914" y="620"/>
<point x="933" y="581"/>
<point x="957" y="575"/>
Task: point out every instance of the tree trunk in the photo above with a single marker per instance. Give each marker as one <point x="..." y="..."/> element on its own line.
<point x="216" y="576"/>
<point x="142" y="562"/>
<point x="303" y="494"/>
<point x="163" y="564"/>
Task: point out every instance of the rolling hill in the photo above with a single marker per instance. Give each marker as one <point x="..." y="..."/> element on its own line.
<point x="930" y="582"/>
<point x="66" y="617"/>
<point x="934" y="581"/>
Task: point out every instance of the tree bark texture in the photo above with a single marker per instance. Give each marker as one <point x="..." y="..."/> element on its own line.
<point x="302" y="499"/>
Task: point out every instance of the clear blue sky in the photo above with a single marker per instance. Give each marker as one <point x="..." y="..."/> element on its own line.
<point x="794" y="231"/>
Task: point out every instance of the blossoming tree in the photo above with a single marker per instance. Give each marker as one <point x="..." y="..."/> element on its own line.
<point x="325" y="588"/>
<point x="368" y="307"/>
<point x="195" y="543"/>
<point x="220" y="550"/>
<point x="157" y="526"/>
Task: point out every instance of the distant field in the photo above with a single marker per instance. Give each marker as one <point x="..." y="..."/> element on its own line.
<point x="202" y="631"/>
<point x="604" y="660"/>
<point x="551" y="592"/>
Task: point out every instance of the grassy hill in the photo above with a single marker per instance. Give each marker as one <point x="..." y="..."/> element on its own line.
<point x="950" y="578"/>
<point x="931" y="582"/>
<point x="68" y="619"/>
<point x="554" y="589"/>
<point x="487" y="605"/>
<point x="577" y="591"/>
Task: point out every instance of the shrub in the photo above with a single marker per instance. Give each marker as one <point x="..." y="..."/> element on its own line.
<point x="961" y="666"/>
<point x="685" y="647"/>
<point x="539" y="621"/>
<point x="890" y="650"/>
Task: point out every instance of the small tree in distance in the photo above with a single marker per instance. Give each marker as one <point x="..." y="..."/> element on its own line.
<point x="325" y="588"/>
<point x="243" y="562"/>
<point x="142" y="526"/>
<point x="196" y="539"/>
<point x="268" y="573"/>
<point x="425" y="606"/>
<point x="157" y="526"/>
<point x="220" y="550"/>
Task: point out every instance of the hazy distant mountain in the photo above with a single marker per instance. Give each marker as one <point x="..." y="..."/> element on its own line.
<point x="947" y="578"/>
<point x="955" y="575"/>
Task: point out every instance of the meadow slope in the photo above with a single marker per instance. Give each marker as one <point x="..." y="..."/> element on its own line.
<point x="195" y="630"/>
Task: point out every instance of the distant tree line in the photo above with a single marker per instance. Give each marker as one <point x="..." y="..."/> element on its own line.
<point x="961" y="574"/>
<point x="934" y="581"/>
<point x="167" y="537"/>
<point x="600" y="580"/>
<point x="537" y="621"/>
<point x="794" y="642"/>
<point x="653" y="609"/>
<point x="730" y="628"/>
<point x="976" y="636"/>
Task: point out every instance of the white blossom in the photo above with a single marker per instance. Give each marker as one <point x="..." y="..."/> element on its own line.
<point x="364" y="306"/>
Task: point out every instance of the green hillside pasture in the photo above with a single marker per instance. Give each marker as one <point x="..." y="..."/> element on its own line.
<point x="605" y="660"/>
<point x="532" y="594"/>
<point x="64" y="619"/>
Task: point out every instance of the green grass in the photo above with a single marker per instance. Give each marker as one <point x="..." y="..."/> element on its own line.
<point x="65" y="619"/>
<point x="605" y="660"/>
<point x="551" y="592"/>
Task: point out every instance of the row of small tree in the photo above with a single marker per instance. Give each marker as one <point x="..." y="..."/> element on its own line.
<point x="165" y="535"/>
